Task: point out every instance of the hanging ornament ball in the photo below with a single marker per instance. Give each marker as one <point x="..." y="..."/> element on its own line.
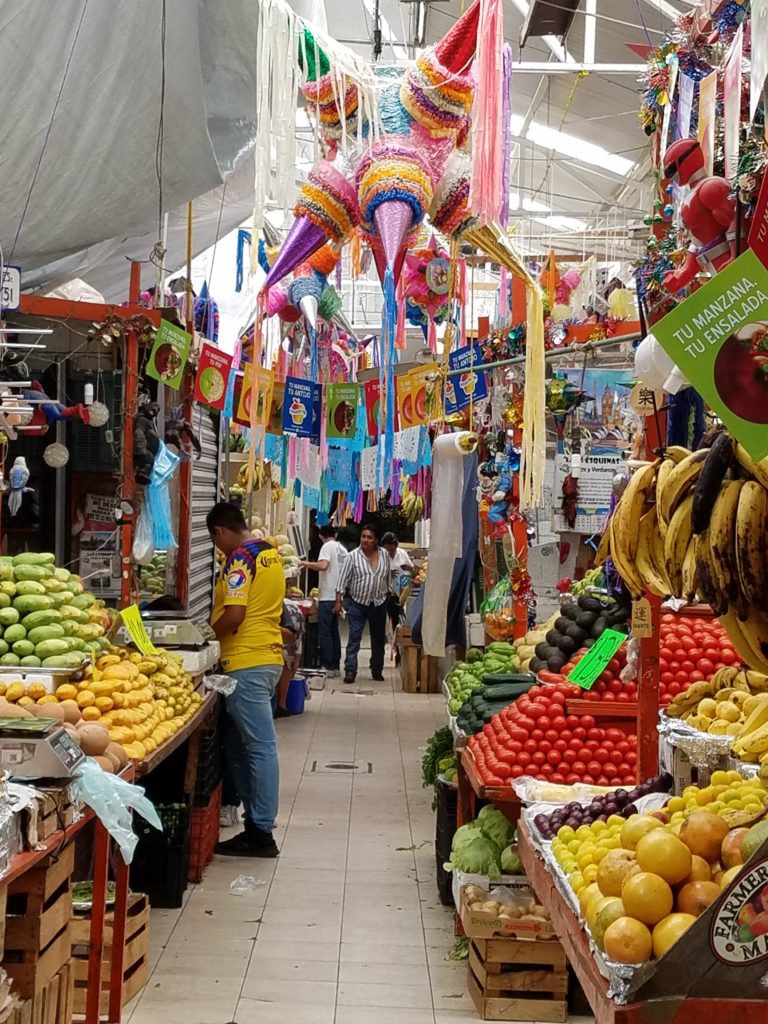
<point x="652" y="243"/>
<point x="648" y="220"/>
<point x="56" y="455"/>
<point x="657" y="204"/>
<point x="98" y="414"/>
<point x="668" y="190"/>
<point x="669" y="210"/>
<point x="658" y="219"/>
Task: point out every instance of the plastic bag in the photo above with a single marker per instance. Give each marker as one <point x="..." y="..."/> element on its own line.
<point x="224" y="685"/>
<point x="143" y="544"/>
<point x="113" y="799"/>
<point x="497" y="611"/>
<point x="158" y="498"/>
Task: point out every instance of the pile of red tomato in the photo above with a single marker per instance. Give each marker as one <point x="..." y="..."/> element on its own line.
<point x="608" y="688"/>
<point x="692" y="648"/>
<point x="535" y="736"/>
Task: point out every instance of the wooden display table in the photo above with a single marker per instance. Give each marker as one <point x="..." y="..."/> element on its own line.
<point x="417" y="669"/>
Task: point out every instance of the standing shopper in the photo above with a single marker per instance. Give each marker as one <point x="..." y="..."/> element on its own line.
<point x="329" y="564"/>
<point x="365" y="576"/>
<point x="246" y="619"/>
<point x="401" y="573"/>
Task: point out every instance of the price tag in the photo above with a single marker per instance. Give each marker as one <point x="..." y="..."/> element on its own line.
<point x="10" y="288"/>
<point x="642" y="625"/>
<point x="134" y="627"/>
<point x="585" y="674"/>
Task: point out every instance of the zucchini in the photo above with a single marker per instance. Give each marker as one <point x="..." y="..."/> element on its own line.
<point x="506" y="693"/>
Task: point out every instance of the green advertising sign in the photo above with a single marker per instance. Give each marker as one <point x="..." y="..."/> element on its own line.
<point x="719" y="338"/>
<point x="586" y="673"/>
<point x="169" y="355"/>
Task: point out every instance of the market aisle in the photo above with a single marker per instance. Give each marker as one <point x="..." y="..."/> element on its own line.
<point x="348" y="918"/>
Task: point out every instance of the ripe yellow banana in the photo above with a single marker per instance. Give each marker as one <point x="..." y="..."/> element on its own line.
<point x="676" y="544"/>
<point x="676" y="453"/>
<point x="759" y="470"/>
<point x="750" y="542"/>
<point x="662" y="475"/>
<point x="688" y="591"/>
<point x="722" y="541"/>
<point x="644" y="561"/>
<point x="706" y="574"/>
<point x="679" y="482"/>
<point x="626" y="529"/>
<point x="749" y="638"/>
<point x="625" y="568"/>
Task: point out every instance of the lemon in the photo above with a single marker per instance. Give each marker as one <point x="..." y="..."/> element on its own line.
<point x="719" y="778"/>
<point x="598" y="854"/>
<point x="677" y="804"/>
<point x="574" y="846"/>
<point x="590" y="873"/>
<point x="599" y="826"/>
<point x="564" y="834"/>
<point x="583" y="832"/>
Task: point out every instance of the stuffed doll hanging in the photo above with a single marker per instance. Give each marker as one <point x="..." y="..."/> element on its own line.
<point x="146" y="442"/>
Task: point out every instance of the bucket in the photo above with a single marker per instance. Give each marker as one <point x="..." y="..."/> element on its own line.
<point x="297" y="694"/>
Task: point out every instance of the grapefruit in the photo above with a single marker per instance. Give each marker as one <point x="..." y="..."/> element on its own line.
<point x="647" y="897"/>
<point x="595" y="907"/>
<point x="703" y="833"/>
<point x="700" y="870"/>
<point x="668" y="931"/>
<point x="615" y="866"/>
<point x="635" y="827"/>
<point x="627" y="941"/>
<point x="664" y="854"/>
<point x="695" y="897"/>
<point x="611" y="909"/>
<point x="730" y="851"/>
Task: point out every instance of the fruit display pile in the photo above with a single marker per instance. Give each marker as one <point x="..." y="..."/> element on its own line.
<point x="139" y="700"/>
<point x="734" y="702"/>
<point x="577" y="627"/>
<point x="46" y="617"/>
<point x="642" y="881"/>
<point x="694" y="524"/>
<point x="535" y="736"/>
<point x="466" y="676"/>
<point x="619" y="802"/>
<point x="152" y="577"/>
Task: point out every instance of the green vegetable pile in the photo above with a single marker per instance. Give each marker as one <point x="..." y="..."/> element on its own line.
<point x="485" y="846"/>
<point x="494" y="693"/>
<point x="46" y="618"/>
<point x="439" y="749"/>
<point x="465" y="676"/>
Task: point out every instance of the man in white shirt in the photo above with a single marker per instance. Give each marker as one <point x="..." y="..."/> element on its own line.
<point x="329" y="564"/>
<point x="401" y="572"/>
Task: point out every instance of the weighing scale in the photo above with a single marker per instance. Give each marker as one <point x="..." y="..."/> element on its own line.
<point x="38" y="748"/>
<point x="174" y="630"/>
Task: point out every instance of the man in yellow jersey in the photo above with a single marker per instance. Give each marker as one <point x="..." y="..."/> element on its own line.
<point x="246" y="619"/>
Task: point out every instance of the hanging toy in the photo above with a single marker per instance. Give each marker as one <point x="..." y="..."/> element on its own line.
<point x="206" y="314"/>
<point x="18" y="479"/>
<point x="708" y="214"/>
<point x="49" y="412"/>
<point x="563" y="396"/>
<point x="570" y="500"/>
<point x="180" y="435"/>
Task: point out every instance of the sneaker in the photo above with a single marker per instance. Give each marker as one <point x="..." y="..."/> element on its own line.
<point x="228" y="816"/>
<point x="252" y="842"/>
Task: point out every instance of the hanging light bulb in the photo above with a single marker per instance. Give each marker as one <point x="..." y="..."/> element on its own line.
<point x="98" y="415"/>
<point x="88" y="389"/>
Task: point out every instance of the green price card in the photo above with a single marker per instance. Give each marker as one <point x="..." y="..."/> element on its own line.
<point x="586" y="673"/>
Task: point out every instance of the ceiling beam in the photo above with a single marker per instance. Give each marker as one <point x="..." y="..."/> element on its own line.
<point x="537" y="67"/>
<point x="559" y="49"/>
<point x="664" y="8"/>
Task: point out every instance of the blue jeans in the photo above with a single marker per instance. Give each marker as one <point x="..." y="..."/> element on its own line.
<point x="376" y="617"/>
<point x="254" y="755"/>
<point x="330" y="641"/>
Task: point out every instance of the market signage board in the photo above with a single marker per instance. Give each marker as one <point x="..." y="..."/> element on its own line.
<point x="301" y="407"/>
<point x="212" y="378"/>
<point x="134" y="627"/>
<point x="469" y="386"/>
<point x="169" y="355"/>
<point x="10" y="288"/>
<point x="591" y="666"/>
<point x="719" y="338"/>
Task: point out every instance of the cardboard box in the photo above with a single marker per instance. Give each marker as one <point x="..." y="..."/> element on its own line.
<point x="462" y="878"/>
<point x="475" y="630"/>
<point x="480" y="924"/>
<point x="674" y="760"/>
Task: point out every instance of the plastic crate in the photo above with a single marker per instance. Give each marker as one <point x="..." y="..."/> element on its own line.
<point x="204" y="834"/>
<point x="445" y="828"/>
<point x="159" y="866"/>
<point x="209" y="766"/>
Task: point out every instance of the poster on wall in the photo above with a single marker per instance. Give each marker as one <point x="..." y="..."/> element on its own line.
<point x="340" y="410"/>
<point x="212" y="376"/>
<point x="169" y="355"/>
<point x="423" y="401"/>
<point x="264" y="385"/>
<point x="604" y="440"/>
<point x="301" y="407"/>
<point x="719" y="338"/>
<point x="99" y="555"/>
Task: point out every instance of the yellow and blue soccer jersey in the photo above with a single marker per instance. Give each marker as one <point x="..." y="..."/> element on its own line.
<point x="252" y="578"/>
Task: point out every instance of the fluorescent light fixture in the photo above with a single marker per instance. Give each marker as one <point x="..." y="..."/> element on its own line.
<point x="571" y="145"/>
<point x="532" y="205"/>
<point x="562" y="223"/>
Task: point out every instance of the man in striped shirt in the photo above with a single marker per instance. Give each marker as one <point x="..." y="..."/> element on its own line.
<point x="365" y="576"/>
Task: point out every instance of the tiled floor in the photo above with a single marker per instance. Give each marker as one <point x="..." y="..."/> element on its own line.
<point x="346" y="925"/>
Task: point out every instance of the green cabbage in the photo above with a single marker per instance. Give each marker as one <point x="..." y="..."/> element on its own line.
<point x="478" y="856"/>
<point x="510" y="861"/>
<point x="464" y="835"/>
<point x="495" y="826"/>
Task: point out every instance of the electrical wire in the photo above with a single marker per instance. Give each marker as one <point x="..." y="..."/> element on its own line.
<point x="159" y="143"/>
<point x="48" y="130"/>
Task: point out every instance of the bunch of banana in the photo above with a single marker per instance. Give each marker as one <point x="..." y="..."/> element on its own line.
<point x="255" y="481"/>
<point x="728" y="678"/>
<point x="753" y="739"/>
<point x="413" y="506"/>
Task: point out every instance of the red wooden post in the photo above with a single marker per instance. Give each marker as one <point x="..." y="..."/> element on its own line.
<point x="648" y="696"/>
<point x="128" y="480"/>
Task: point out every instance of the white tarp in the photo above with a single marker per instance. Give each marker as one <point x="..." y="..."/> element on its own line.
<point x="95" y="195"/>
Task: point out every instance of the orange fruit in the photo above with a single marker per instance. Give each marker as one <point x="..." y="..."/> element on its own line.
<point x="615" y="866"/>
<point x="695" y="897"/>
<point x="668" y="931"/>
<point x="627" y="941"/>
<point x="610" y="910"/>
<point x="703" y="833"/>
<point x="636" y="827"/>
<point x="664" y="854"/>
<point x="700" y="870"/>
<point x="647" y="897"/>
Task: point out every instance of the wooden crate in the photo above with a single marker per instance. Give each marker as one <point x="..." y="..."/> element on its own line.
<point x="38" y="915"/>
<point x="511" y="979"/>
<point x="418" y="670"/>
<point x="135" y="953"/>
<point x="52" y="1005"/>
<point x="56" y="812"/>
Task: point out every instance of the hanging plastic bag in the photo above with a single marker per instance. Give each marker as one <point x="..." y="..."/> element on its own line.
<point x="113" y="800"/>
<point x="498" y="611"/>
<point x="143" y="543"/>
<point x="158" y="498"/>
